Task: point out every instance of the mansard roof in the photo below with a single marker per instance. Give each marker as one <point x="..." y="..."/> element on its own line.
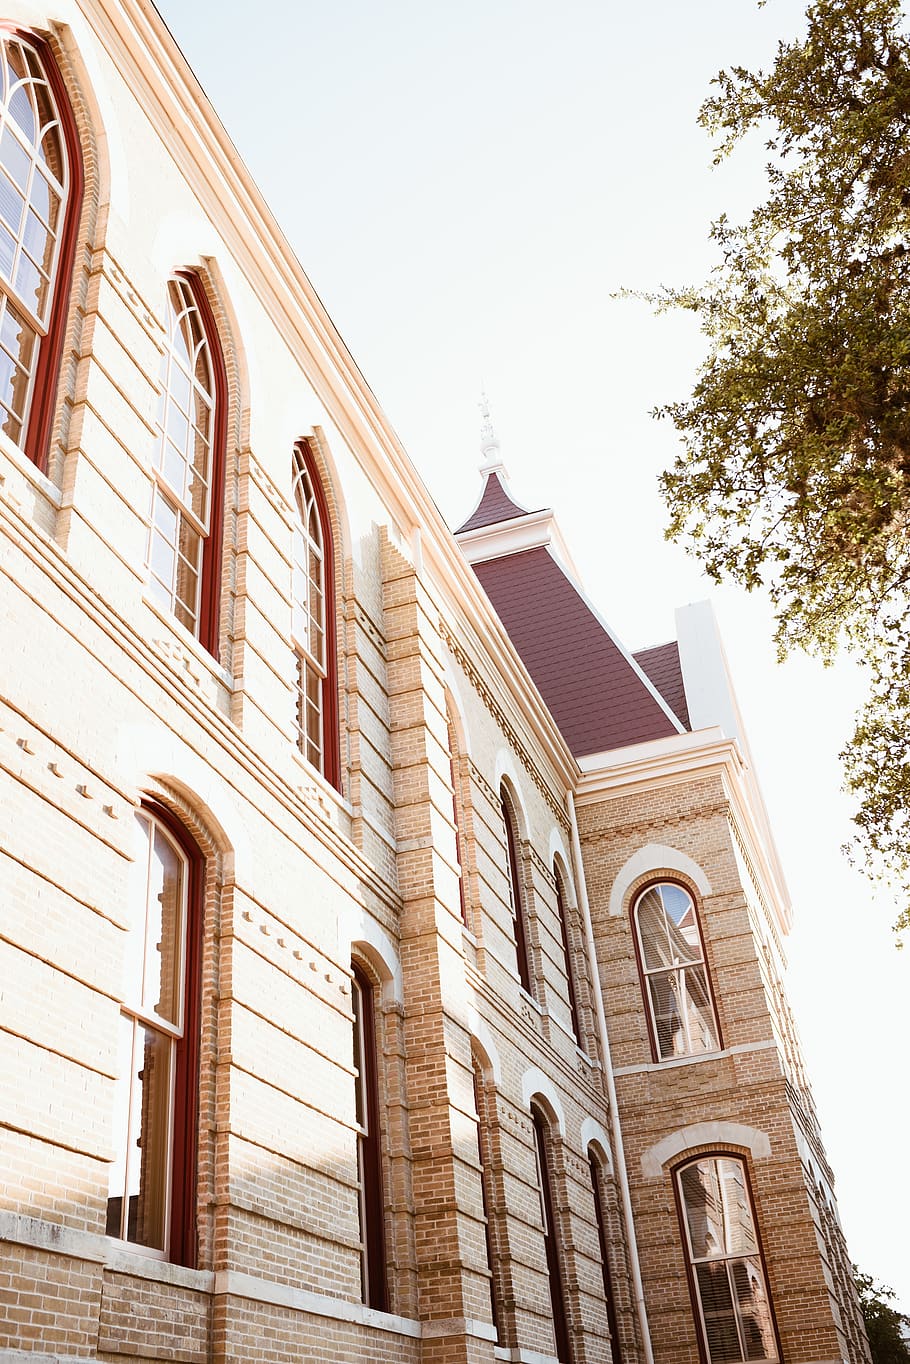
<point x="598" y="695"/>
<point x="663" y="667"/>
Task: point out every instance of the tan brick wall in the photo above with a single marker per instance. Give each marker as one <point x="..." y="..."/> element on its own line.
<point x="108" y="702"/>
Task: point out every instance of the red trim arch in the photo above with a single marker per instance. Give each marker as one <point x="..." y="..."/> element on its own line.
<point x="331" y="733"/>
<point x="39" y="425"/>
<point x="213" y="547"/>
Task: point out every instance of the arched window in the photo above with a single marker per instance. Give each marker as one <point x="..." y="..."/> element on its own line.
<point x="674" y="974"/>
<point x="313" y="624"/>
<point x="595" y="1165"/>
<point x="459" y="851"/>
<point x="551" y="1238"/>
<point x="562" y="910"/>
<point x="152" y="1179"/>
<point x="483" y="1140"/>
<point x="184" y="551"/>
<point x="40" y="197"/>
<point x="726" y="1267"/>
<point x="374" y="1285"/>
<point x="518" y="909"/>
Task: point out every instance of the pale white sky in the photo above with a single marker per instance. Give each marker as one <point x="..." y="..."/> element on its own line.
<point x="467" y="185"/>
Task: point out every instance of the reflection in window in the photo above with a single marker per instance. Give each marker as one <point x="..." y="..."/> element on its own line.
<point x="373" y="1281"/>
<point x="597" y="1189"/>
<point x="453" y="776"/>
<point x="731" y="1295"/>
<point x="562" y="911"/>
<point x="34" y="187"/>
<point x="674" y="972"/>
<point x="551" y="1240"/>
<point x="152" y="1027"/>
<point x="184" y="461"/>
<point x="483" y="1137"/>
<point x="518" y="909"/>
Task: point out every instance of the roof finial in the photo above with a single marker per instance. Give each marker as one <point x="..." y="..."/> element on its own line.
<point x="489" y="445"/>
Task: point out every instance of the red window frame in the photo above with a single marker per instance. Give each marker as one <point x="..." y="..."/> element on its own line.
<point x="374" y="1278"/>
<point x="597" y="1175"/>
<point x="453" y="777"/>
<point x="518" y="907"/>
<point x="331" y="733"/>
<point x="562" y="910"/>
<point x="208" y="625"/>
<point x="184" y="1109"/>
<point x="551" y="1240"/>
<point x="43" y="403"/>
<point x="643" y="975"/>
<point x="703" y="1350"/>
<point x="485" y="1198"/>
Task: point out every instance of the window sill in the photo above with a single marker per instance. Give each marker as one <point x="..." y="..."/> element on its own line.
<point x="120" y="1257"/>
<point x="673" y="1062"/>
<point x="188" y="646"/>
<point x="326" y="793"/>
<point x="24" y="466"/>
<point x="125" y="1258"/>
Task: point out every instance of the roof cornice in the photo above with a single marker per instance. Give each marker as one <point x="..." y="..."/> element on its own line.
<point x="678" y="758"/>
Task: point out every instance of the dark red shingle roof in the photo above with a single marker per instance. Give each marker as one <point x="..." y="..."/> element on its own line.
<point x="661" y="663"/>
<point x="494" y="505"/>
<point x="595" y="695"/>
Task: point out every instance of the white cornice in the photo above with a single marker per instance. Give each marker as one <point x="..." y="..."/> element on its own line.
<point x="654" y="763"/>
<point x="677" y="758"/>
<point x="527" y="530"/>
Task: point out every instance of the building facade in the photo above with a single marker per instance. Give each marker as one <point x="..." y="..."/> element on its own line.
<point x="390" y="963"/>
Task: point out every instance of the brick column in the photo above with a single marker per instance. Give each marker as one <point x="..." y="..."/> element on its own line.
<point x="453" y="1289"/>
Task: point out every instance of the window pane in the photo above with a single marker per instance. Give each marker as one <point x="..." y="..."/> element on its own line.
<point x="188" y="564"/>
<point x="20" y="107"/>
<point x="360" y="1106"/>
<point x="150" y="1125"/>
<point x="740" y="1233"/>
<point x="166" y="518"/>
<point x="31" y="285"/>
<point x="652" y="926"/>
<point x="177" y="429"/>
<point x="699" y="1014"/>
<point x="718" y="1312"/>
<point x="704" y="1208"/>
<point x="121" y="1125"/>
<point x="668" y="1020"/>
<point x="17" y="337"/>
<point x="12" y="203"/>
<point x="754" y="1310"/>
<point x="7" y="252"/>
<point x="38" y="241"/>
<point x="164" y="930"/>
<point x="180" y="388"/>
<point x="172" y="463"/>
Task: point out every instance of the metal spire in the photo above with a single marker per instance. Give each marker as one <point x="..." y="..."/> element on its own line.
<point x="489" y="445"/>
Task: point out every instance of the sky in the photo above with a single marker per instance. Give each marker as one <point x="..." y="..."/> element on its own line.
<point x="468" y="186"/>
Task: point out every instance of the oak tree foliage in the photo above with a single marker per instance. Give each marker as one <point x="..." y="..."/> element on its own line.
<point x="795" y="469"/>
<point x="885" y="1325"/>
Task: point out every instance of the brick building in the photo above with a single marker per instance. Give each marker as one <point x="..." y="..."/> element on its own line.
<point x="390" y="963"/>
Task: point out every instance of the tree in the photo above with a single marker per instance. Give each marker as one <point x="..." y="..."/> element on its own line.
<point x="795" y="469"/>
<point x="884" y="1324"/>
